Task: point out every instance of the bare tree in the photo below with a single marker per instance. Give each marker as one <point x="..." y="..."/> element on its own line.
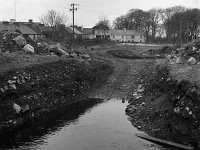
<point x="53" y="19"/>
<point x="155" y="17"/>
<point x="103" y="20"/>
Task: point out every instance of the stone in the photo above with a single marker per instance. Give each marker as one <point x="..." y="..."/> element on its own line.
<point x="192" y="61"/>
<point x="13" y="86"/>
<point x="25" y="108"/>
<point x="179" y="60"/>
<point x="16" y="108"/>
<point x="177" y="110"/>
<point x="20" y="40"/>
<point x="11" y="81"/>
<point x="85" y="56"/>
<point x="28" y="48"/>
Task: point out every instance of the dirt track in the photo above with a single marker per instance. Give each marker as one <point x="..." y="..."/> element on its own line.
<point x="123" y="80"/>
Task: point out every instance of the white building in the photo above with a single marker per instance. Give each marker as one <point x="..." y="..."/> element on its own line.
<point x="127" y="36"/>
<point x="88" y="33"/>
<point x="101" y="31"/>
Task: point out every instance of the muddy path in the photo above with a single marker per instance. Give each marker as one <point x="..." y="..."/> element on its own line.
<point x="124" y="78"/>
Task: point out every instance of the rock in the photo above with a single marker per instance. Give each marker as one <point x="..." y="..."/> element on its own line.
<point x="177" y="110"/>
<point x="11" y="81"/>
<point x="142" y="104"/>
<point x="20" y="40"/>
<point x="16" y="108"/>
<point x="187" y="108"/>
<point x="25" y="108"/>
<point x="190" y="112"/>
<point x="192" y="61"/>
<point x="129" y="119"/>
<point x="179" y="60"/>
<point x="130" y="109"/>
<point x="123" y="100"/>
<point x="141" y="90"/>
<point x="73" y="55"/>
<point x="5" y="88"/>
<point x="53" y="54"/>
<point x="28" y="48"/>
<point x="57" y="50"/>
<point x="13" y="86"/>
<point x="85" y="56"/>
<point x="194" y="48"/>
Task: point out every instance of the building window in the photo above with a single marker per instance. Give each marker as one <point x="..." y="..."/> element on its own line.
<point x="132" y="36"/>
<point x="98" y="36"/>
<point x="122" y="36"/>
<point x="113" y="36"/>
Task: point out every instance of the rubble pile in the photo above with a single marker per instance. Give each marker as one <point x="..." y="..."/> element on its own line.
<point x="164" y="107"/>
<point x="7" y="44"/>
<point x="192" y="50"/>
<point x="190" y="54"/>
<point x="186" y="109"/>
<point x="14" y="42"/>
<point x="44" y="87"/>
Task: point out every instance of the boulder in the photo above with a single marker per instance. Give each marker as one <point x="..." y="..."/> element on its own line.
<point x="16" y="108"/>
<point x="25" y="108"/>
<point x="20" y="40"/>
<point x="179" y="60"/>
<point x="28" y="48"/>
<point x="85" y="56"/>
<point x="13" y="86"/>
<point x="192" y="61"/>
<point x="58" y="51"/>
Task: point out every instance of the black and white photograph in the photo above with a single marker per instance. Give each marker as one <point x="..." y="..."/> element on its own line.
<point x="99" y="74"/>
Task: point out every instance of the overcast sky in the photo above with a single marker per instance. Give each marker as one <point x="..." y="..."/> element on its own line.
<point x="88" y="12"/>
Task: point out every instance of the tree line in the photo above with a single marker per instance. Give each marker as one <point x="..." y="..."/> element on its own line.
<point x="175" y="24"/>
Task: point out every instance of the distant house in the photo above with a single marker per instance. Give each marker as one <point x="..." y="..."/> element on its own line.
<point x="88" y="33"/>
<point x="101" y="31"/>
<point x="24" y="28"/>
<point x="127" y="36"/>
<point x="69" y="33"/>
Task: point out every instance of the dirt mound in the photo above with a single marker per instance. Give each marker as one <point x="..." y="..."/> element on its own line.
<point x="48" y="86"/>
<point x="166" y="108"/>
<point x="8" y="44"/>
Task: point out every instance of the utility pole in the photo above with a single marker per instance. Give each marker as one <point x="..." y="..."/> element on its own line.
<point x="73" y="9"/>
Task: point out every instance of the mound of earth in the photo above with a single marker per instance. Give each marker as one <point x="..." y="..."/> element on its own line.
<point x="166" y="107"/>
<point x="43" y="87"/>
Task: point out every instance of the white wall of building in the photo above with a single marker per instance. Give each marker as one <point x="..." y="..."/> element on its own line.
<point x="118" y="38"/>
<point x="129" y="38"/>
<point x="139" y="39"/>
<point x="102" y="32"/>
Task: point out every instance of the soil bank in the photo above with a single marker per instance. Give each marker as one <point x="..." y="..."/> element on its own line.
<point x="164" y="107"/>
<point x="41" y="88"/>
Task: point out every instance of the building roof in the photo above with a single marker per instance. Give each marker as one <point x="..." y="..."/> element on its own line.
<point x="87" y="30"/>
<point x="127" y="32"/>
<point x="101" y="27"/>
<point x="24" y="29"/>
<point x="70" y="30"/>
